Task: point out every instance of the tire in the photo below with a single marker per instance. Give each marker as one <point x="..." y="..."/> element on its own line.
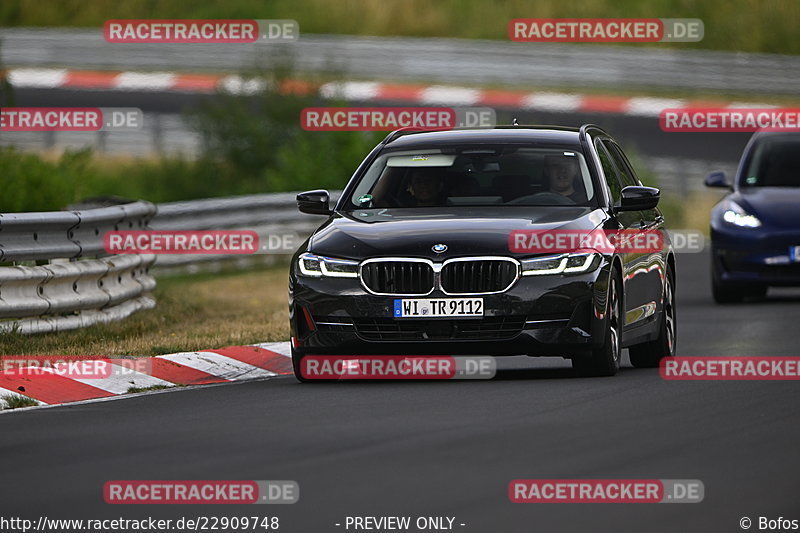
<point x="649" y="354"/>
<point x="604" y="361"/>
<point x="296" y="361"/>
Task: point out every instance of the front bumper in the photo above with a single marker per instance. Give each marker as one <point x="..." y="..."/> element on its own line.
<point x="554" y="315"/>
<point x="755" y="256"/>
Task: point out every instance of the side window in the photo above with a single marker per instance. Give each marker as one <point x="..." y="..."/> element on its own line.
<point x="627" y="176"/>
<point x="610" y="171"/>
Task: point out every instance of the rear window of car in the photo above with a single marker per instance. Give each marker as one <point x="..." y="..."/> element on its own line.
<point x="477" y="176"/>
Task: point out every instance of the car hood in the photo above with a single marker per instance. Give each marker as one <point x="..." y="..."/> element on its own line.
<point x="465" y="231"/>
<point x="774" y="206"/>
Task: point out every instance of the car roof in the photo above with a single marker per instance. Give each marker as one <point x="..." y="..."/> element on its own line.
<point x="558" y="135"/>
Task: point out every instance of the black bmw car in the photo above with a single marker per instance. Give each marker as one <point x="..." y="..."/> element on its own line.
<point x="419" y="255"/>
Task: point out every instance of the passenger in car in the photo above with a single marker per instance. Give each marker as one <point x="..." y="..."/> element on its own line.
<point x="562" y="174"/>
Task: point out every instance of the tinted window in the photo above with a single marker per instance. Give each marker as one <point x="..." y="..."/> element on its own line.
<point x="626" y="173"/>
<point x="775" y="163"/>
<point x="610" y="171"/>
<point x="476" y="176"/>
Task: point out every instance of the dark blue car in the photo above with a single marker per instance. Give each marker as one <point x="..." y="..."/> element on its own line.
<point x="755" y="229"/>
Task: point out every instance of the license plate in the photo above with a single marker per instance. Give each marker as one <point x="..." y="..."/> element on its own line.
<point x="438" y="307"/>
<point x="794" y="254"/>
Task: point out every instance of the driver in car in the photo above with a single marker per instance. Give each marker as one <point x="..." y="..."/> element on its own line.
<point x="562" y="172"/>
<point x="426" y="186"/>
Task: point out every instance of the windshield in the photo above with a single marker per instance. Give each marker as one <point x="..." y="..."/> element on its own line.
<point x="775" y="163"/>
<point x="480" y="176"/>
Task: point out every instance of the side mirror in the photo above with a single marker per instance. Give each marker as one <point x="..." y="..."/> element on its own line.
<point x="638" y="198"/>
<point x="718" y="180"/>
<point x="314" y="202"/>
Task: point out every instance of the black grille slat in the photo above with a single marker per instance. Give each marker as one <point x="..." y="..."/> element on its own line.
<point x="457" y="277"/>
<point x="398" y="277"/>
<point x="484" y="275"/>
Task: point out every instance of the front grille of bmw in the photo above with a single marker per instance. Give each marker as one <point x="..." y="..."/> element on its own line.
<point x="419" y="277"/>
<point x="479" y="276"/>
<point x="398" y="277"/>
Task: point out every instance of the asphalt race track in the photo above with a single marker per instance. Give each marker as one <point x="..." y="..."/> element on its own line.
<point x="446" y="448"/>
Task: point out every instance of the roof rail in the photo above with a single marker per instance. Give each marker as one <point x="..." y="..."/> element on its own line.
<point x="534" y="126"/>
<point x="396" y="134"/>
<point x="586" y="127"/>
<point x="408" y="131"/>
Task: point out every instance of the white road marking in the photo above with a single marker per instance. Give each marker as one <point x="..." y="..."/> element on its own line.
<point x="283" y="348"/>
<point x="138" y="81"/>
<point x="350" y="90"/>
<point x="122" y="379"/>
<point x="446" y="95"/>
<point x="553" y="101"/>
<point x="47" y="78"/>
<point x="218" y="365"/>
<point x="652" y="107"/>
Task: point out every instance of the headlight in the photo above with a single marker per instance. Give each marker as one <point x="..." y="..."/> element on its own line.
<point x="574" y="263"/>
<point x="315" y="266"/>
<point x="739" y="217"/>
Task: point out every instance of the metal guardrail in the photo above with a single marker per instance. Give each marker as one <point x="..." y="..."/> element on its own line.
<point x="81" y="285"/>
<point x="442" y="60"/>
<point x="66" y="234"/>
<point x="269" y="215"/>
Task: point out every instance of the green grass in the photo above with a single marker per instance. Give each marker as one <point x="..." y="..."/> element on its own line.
<point x="42" y="183"/>
<point x="35" y="182"/>
<point x="746" y="25"/>
<point x="13" y="401"/>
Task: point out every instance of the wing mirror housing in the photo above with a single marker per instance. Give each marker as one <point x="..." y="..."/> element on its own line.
<point x="718" y="180"/>
<point x="638" y="198"/>
<point x="314" y="202"/>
